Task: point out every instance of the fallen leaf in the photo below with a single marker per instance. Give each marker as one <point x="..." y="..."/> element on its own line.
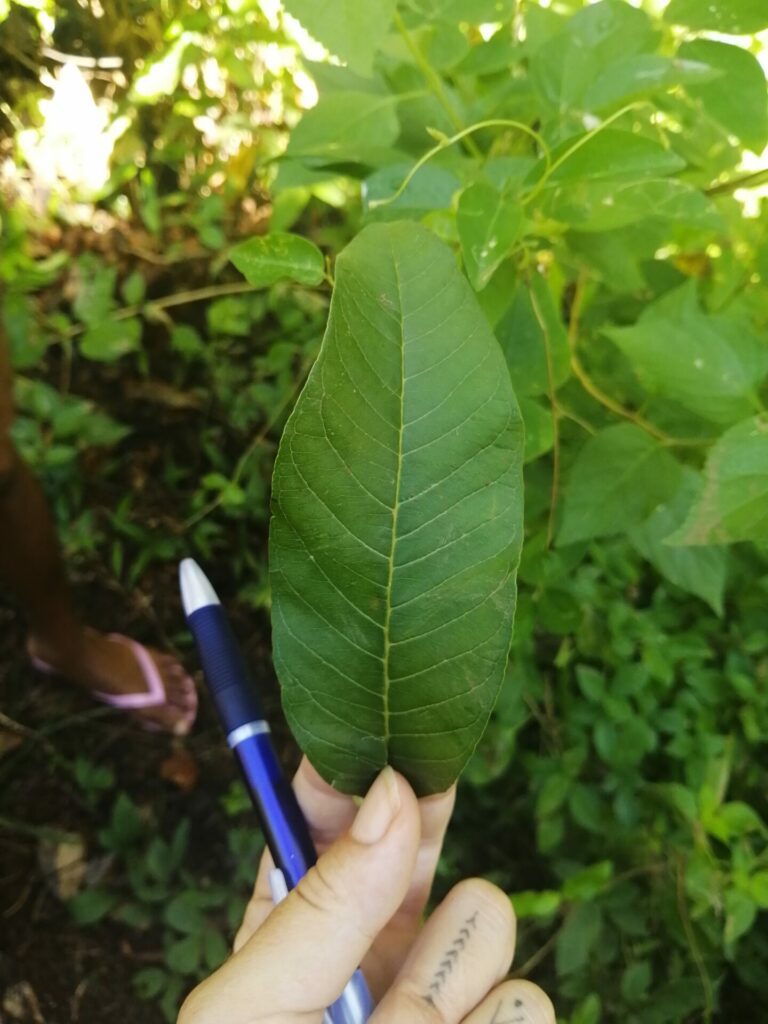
<point x="21" y="1003"/>
<point x="63" y="863"/>
<point x="9" y="741"/>
<point x="181" y="769"/>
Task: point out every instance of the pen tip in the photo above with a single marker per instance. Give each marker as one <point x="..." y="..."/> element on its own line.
<point x="196" y="589"/>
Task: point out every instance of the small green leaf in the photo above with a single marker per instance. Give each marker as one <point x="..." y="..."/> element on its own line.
<point x="536" y="904"/>
<point x="578" y="938"/>
<point x="587" y="883"/>
<point x="184" y="955"/>
<point x="264" y="259"/>
<point x="636" y="980"/>
<point x="619" y="476"/>
<point x="589" y="1011"/>
<point x="533" y="339"/>
<point x="109" y="340"/>
<point x="539" y="429"/>
<point x="733" y="17"/>
<point x="215" y="950"/>
<point x="740" y="914"/>
<point x="91" y="905"/>
<point x="149" y="982"/>
<point x="610" y="155"/>
<point x="733" y="503"/>
<point x="489" y="225"/>
<point x="183" y="913"/>
<point x="134" y="288"/>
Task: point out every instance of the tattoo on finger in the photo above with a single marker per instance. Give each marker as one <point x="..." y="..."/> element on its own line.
<point x="450" y="958"/>
<point x="517" y="1010"/>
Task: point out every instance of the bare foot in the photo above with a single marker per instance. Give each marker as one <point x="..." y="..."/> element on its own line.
<point x="106" y="665"/>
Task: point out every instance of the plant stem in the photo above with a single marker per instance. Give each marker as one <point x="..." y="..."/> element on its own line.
<point x="179" y="299"/>
<point x="434" y="81"/>
<point x="555" y="411"/>
<point x="752" y="180"/>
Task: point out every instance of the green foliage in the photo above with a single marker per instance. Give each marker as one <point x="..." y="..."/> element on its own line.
<point x="404" y="450"/>
<point x="586" y="164"/>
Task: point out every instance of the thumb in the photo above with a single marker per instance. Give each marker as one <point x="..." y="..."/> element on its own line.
<point x="301" y="958"/>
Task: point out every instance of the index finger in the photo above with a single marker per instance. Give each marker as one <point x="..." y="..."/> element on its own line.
<point x="329" y="815"/>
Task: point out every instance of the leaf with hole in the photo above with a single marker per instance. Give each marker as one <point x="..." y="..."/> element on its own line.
<point x="396" y="521"/>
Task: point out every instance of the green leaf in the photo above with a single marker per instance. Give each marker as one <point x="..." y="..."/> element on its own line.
<point x="539" y="429"/>
<point x="733" y="503"/>
<point x="134" y="288"/>
<point x="563" y="69"/>
<point x="431" y="188"/>
<point x="345" y="126"/>
<point x="149" y="982"/>
<point x="587" y="883"/>
<point x="183" y="913"/>
<point x="733" y="17"/>
<point x="609" y="205"/>
<point x="489" y="226"/>
<point x="397" y="515"/>
<point x="536" y="904"/>
<point x="264" y="259"/>
<point x="742" y="107"/>
<point x="184" y="955"/>
<point x="630" y="78"/>
<point x="578" y="938"/>
<point x="697" y="570"/>
<point x="711" y="365"/>
<point x="619" y="476"/>
<point x="534" y="340"/>
<point x="740" y="914"/>
<point x="609" y="155"/>
<point x="215" y="949"/>
<point x="636" y="980"/>
<point x="91" y="905"/>
<point x="109" y="340"/>
<point x="589" y="1011"/>
<point x="350" y="30"/>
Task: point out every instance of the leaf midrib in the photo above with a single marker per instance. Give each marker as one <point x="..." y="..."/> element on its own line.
<point x="395" y="510"/>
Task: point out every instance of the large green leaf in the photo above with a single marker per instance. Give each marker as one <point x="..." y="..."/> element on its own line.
<point x="735" y="17"/>
<point x="345" y="127"/>
<point x="733" y="502"/>
<point x="563" y="69"/>
<point x="347" y="28"/>
<point x="396" y="521"/>
<point x="619" y="476"/>
<point x="697" y="570"/>
<point x="711" y="365"/>
<point x="738" y="100"/>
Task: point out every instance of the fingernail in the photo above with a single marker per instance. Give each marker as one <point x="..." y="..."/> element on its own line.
<point x="378" y="810"/>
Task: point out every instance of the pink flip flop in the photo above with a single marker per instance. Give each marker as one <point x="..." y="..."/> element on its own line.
<point x="154" y="696"/>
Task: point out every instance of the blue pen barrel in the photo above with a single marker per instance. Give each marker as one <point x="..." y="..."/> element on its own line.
<point x="285" y="829"/>
<point x="241" y="714"/>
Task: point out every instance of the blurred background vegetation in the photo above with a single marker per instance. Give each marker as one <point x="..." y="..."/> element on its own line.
<point x="621" y="792"/>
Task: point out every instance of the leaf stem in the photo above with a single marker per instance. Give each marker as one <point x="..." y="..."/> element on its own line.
<point x="178" y="299"/>
<point x="752" y="180"/>
<point x="433" y="80"/>
<point x="496" y="122"/>
<point x="597" y="392"/>
<point x="555" y="411"/>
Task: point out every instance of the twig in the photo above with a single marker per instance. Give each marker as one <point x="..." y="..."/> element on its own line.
<point x="495" y="122"/>
<point x="179" y="299"/>
<point x="555" y="412"/>
<point x="433" y="80"/>
<point x="533" y="961"/>
<point x="600" y="396"/>
<point x="752" y="180"/>
<point x="690" y="935"/>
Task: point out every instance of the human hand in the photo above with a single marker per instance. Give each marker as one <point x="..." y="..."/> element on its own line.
<point x="362" y="903"/>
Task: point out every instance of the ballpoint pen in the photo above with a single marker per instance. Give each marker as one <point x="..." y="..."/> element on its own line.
<point x="247" y="731"/>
